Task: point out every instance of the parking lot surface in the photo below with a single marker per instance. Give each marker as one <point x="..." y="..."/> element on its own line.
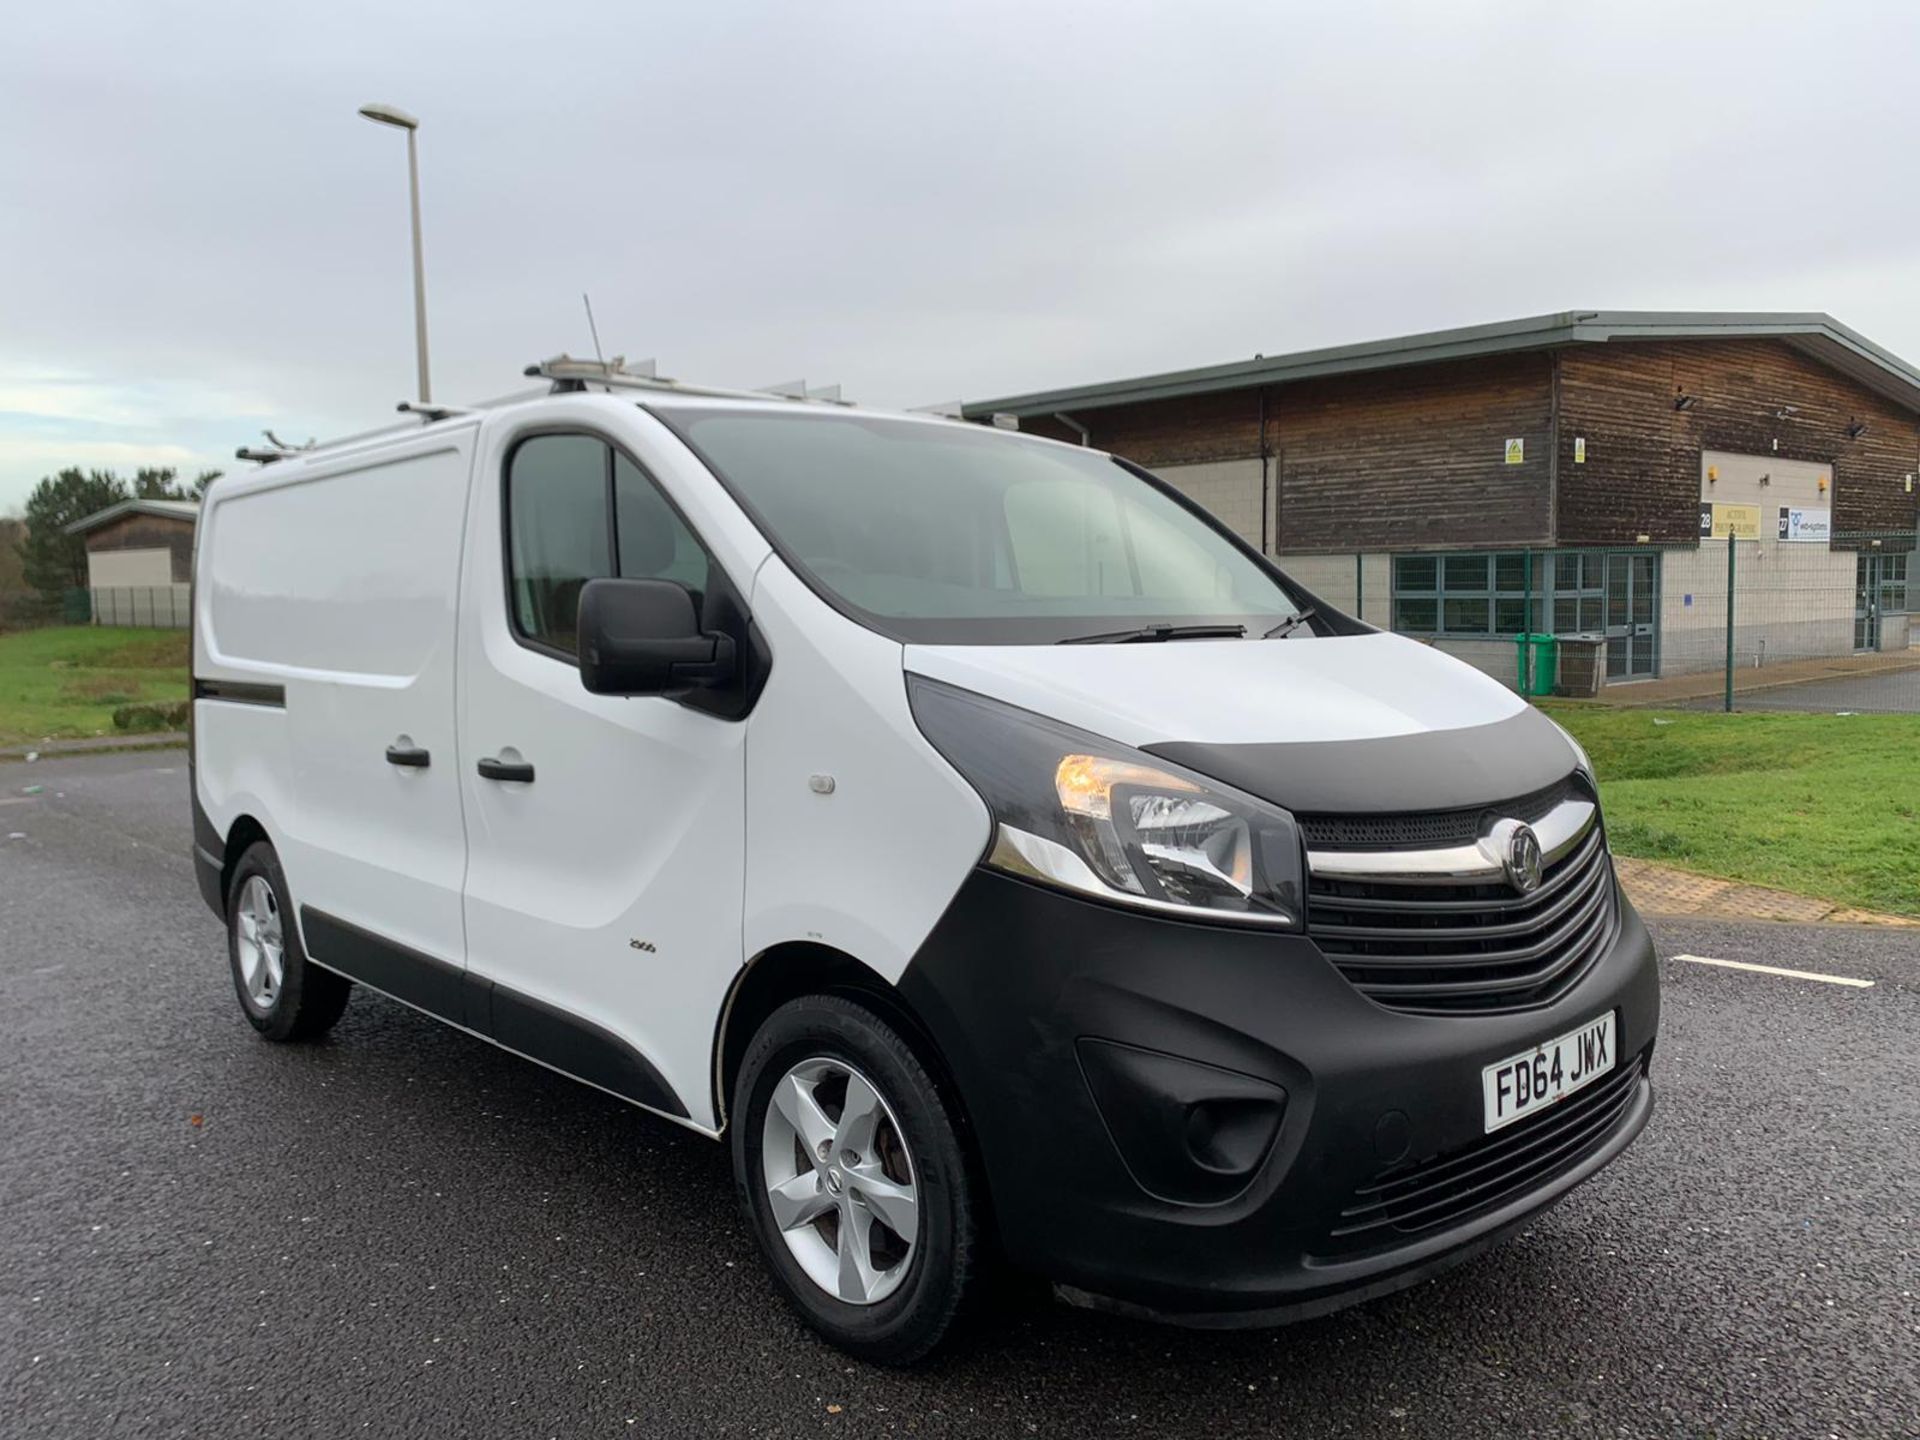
<point x="404" y="1231"/>
<point x="1895" y="692"/>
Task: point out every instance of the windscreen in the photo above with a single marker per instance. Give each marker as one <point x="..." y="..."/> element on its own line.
<point x="947" y="534"/>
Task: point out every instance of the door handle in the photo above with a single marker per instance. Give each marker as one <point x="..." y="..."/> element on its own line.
<point x="494" y="769"/>
<point x="414" y="757"/>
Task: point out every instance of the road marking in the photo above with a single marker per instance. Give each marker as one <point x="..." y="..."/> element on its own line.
<point x="1776" y="970"/>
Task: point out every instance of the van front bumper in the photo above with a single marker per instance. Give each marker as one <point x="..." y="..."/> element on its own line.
<point x="1209" y="1124"/>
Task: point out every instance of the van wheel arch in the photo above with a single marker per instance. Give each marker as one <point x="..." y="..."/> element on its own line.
<point x="794" y="969"/>
<point x="243" y="834"/>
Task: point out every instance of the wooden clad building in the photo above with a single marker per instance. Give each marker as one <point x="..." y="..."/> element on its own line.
<point x="139" y="561"/>
<point x="1575" y="450"/>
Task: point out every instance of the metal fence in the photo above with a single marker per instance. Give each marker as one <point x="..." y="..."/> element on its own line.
<point x="1757" y="622"/>
<point x="1808" y="626"/>
<point x="163" y="607"/>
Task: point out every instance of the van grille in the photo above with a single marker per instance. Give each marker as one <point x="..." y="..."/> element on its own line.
<point x="1487" y="1173"/>
<point x="1431" y="829"/>
<point x="1469" y="948"/>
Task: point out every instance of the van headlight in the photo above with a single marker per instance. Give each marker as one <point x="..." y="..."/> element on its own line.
<point x="1117" y="824"/>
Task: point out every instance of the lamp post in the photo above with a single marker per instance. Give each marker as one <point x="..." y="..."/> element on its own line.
<point x="392" y="115"/>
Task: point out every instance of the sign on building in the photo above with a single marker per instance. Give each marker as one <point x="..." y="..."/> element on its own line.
<point x="1516" y="452"/>
<point x="1806" y="525"/>
<point x="1721" y="522"/>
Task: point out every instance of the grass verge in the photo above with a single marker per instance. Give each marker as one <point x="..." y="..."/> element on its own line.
<point x="1822" y="805"/>
<point x="65" y="682"/>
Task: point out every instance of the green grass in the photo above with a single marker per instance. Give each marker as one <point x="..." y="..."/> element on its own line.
<point x="1824" y="805"/>
<point x="66" y="681"/>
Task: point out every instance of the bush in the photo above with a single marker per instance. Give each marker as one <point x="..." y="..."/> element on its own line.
<point x="148" y="719"/>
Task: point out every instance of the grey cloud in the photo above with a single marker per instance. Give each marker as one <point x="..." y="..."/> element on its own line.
<point x="922" y="204"/>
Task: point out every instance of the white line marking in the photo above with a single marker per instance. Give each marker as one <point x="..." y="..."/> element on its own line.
<point x="1776" y="970"/>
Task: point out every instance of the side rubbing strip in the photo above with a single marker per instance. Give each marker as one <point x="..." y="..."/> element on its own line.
<point x="530" y="1027"/>
<point x="240" y="692"/>
<point x="581" y="1049"/>
<point x="434" y="985"/>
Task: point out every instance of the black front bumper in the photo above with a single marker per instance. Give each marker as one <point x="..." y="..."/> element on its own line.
<point x="1186" y="1119"/>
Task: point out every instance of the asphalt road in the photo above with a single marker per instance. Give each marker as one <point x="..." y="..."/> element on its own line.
<point x="1895" y="692"/>
<point x="403" y="1231"/>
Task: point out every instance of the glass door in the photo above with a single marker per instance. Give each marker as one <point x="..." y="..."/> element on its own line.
<point x="1866" y="602"/>
<point x="1632" y="601"/>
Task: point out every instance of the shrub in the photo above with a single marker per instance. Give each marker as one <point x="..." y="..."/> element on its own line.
<point x="147" y="719"/>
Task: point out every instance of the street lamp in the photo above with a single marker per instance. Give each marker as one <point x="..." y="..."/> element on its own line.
<point x="392" y="115"/>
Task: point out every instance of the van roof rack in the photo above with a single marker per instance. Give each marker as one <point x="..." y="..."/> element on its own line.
<point x="568" y="373"/>
<point x="274" y="449"/>
<point x="565" y="373"/>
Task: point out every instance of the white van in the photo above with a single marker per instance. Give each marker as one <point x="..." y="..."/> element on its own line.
<point x="997" y="853"/>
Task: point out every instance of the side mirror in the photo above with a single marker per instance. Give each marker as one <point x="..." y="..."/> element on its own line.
<point x="641" y="637"/>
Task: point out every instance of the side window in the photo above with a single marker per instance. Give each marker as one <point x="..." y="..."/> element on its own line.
<point x="578" y="510"/>
<point x="558" y="535"/>
<point x="655" y="543"/>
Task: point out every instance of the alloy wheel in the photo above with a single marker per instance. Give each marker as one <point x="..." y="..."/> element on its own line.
<point x="841" y="1185"/>
<point x="258" y="942"/>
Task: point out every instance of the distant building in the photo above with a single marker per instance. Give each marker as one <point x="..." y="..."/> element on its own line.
<point x="1553" y="474"/>
<point x="139" y="560"/>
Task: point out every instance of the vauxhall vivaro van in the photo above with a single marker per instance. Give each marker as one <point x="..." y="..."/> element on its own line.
<point x="1001" y="857"/>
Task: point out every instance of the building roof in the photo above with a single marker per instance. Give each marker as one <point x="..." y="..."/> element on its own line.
<point x="187" y="510"/>
<point x="1820" y="336"/>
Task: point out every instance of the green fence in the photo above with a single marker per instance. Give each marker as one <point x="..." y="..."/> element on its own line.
<point x="1760" y="622"/>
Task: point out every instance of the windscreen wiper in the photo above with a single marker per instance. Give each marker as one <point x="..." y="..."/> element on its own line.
<point x="1148" y="633"/>
<point x="1290" y="624"/>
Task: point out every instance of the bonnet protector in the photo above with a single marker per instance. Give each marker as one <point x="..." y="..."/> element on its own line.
<point x="1427" y="770"/>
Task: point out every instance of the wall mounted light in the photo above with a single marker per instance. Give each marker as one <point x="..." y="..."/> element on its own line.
<point x="1767" y="479"/>
<point x="1785" y="412"/>
<point x="1856" y="428"/>
<point x="1685" y="402"/>
<point x="1822" y="484"/>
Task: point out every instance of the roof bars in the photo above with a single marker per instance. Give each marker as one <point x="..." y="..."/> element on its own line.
<point x="800" y="390"/>
<point x="567" y="373"/>
<point x="274" y="449"/>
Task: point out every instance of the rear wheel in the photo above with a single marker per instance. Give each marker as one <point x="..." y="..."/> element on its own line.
<point x="852" y="1172"/>
<point x="283" y="995"/>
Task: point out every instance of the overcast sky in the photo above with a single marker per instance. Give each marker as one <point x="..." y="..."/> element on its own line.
<point x="199" y="238"/>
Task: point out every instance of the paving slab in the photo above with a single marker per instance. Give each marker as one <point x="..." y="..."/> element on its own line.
<point x="1657" y="889"/>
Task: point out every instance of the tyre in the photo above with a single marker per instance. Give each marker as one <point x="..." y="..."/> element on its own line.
<point x="855" y="1179"/>
<point x="283" y="995"/>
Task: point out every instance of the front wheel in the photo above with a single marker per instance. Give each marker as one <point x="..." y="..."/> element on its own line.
<point x="852" y="1172"/>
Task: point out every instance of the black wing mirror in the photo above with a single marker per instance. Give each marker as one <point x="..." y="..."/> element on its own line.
<point x="641" y="637"/>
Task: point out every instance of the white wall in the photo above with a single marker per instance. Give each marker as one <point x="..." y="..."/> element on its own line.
<point x="1229" y="488"/>
<point x="129" y="567"/>
<point x="163" y="607"/>
<point x="1766" y="481"/>
<point x="1334" y="579"/>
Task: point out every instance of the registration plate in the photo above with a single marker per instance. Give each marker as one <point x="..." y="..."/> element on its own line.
<point x="1524" y="1084"/>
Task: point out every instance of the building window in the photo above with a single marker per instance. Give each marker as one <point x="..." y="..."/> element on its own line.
<point x="1579" y="594"/>
<point x="1478" y="594"/>
<point x="1893" y="583"/>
